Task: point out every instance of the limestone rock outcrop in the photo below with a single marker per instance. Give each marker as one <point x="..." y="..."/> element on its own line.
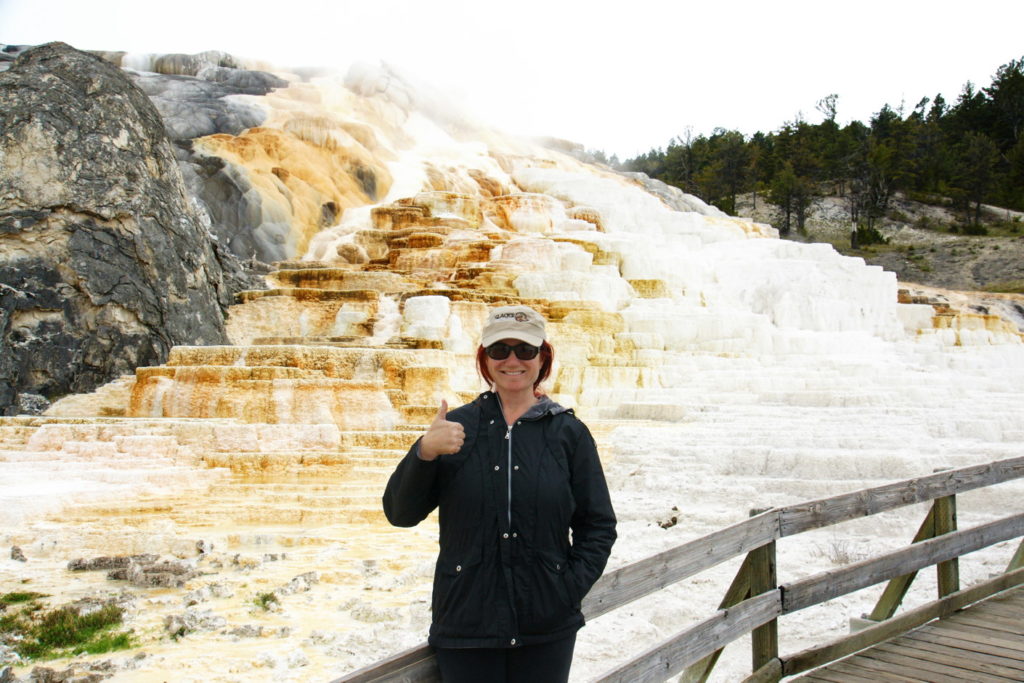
<point x="194" y="105"/>
<point x="104" y="263"/>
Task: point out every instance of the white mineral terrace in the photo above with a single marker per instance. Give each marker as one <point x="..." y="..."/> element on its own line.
<point x="720" y="368"/>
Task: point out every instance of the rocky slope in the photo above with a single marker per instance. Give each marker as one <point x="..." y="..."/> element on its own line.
<point x="105" y="263"/>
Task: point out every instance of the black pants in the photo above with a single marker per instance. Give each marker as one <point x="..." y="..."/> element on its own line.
<point x="544" y="663"/>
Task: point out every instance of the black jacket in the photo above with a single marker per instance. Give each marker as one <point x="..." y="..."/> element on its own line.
<point x="507" y="573"/>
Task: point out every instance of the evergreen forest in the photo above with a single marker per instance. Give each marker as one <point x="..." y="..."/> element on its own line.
<point x="962" y="155"/>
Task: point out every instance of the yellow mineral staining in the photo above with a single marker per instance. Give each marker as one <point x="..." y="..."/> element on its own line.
<point x="557" y="311"/>
<point x="340" y="279"/>
<point x="449" y="179"/>
<point x="306" y="315"/>
<point x="424" y="385"/>
<point x="965" y="318"/>
<point x="352" y="388"/>
<point x="423" y="240"/>
<point x="488" y="186"/>
<point x="602" y="257"/>
<point x="748" y="228"/>
<point x="972" y="328"/>
<point x="298" y="173"/>
<point x="331" y="134"/>
<point x="452" y="204"/>
<point x="527" y="212"/>
<point x="588" y="214"/>
<point x="108" y="400"/>
<point x="650" y="289"/>
<point x="398" y="217"/>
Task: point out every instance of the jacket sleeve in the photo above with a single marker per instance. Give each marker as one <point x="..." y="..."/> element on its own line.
<point x="593" y="521"/>
<point x="411" y="493"/>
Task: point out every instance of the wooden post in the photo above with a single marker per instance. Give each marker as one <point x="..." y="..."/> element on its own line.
<point x="764" y="644"/>
<point x="945" y="522"/>
<point x="763" y="578"/>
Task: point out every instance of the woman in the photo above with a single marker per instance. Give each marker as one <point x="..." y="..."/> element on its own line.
<point x="512" y="473"/>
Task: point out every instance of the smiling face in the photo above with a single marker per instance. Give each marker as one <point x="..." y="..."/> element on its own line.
<point x="512" y="375"/>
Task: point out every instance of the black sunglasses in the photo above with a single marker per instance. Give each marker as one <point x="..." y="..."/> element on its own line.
<point x="500" y="351"/>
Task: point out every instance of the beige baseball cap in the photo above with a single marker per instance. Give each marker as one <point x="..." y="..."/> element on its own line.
<point x="513" y="322"/>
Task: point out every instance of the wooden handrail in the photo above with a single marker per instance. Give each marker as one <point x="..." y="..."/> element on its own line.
<point x="698" y="641"/>
<point x="416" y="664"/>
<point x="817" y="589"/>
<point x="795" y="519"/>
<point x="650" y="575"/>
<point x="637" y="580"/>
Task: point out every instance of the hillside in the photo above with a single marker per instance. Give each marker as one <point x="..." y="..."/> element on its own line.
<point x="933" y="255"/>
<point x="922" y="246"/>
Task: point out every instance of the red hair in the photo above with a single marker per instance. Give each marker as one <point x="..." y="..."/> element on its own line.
<point x="547" y="359"/>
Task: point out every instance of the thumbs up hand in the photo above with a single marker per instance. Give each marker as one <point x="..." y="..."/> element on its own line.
<point x="442" y="437"/>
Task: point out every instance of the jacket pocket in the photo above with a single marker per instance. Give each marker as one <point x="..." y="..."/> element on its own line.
<point x="550" y="601"/>
<point x="457" y="600"/>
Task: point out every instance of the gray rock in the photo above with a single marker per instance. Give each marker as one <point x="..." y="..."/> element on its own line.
<point x="300" y="584"/>
<point x="8" y="656"/>
<point x="183" y="624"/>
<point x="106" y="264"/>
<point x="17" y="554"/>
<point x="42" y="674"/>
<point x="167" y="574"/>
<point x="32" y="404"/>
<point x="196" y="106"/>
<point x="8" y="53"/>
<point x="246" y="631"/>
<point x="197" y="596"/>
<point x="106" y="562"/>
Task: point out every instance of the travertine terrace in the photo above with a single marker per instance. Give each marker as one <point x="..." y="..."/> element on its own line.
<point x="720" y="368"/>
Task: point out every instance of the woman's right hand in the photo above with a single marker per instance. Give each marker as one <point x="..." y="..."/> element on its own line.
<point x="442" y="437"/>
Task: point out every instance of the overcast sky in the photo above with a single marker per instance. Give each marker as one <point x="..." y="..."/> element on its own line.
<point x="621" y="76"/>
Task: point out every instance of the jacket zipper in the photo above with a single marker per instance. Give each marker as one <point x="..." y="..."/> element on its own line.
<point x="508" y="437"/>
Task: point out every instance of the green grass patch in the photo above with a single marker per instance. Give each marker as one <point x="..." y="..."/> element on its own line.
<point x="35" y="633"/>
<point x="1007" y="287"/>
<point x="265" y="600"/>
<point x="20" y="597"/>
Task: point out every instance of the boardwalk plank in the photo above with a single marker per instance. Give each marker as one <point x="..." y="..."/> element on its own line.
<point x="832" y="676"/>
<point x="938" y="669"/>
<point x="951" y="640"/>
<point x="1006" y="610"/>
<point x="868" y="670"/>
<point x="983" y="643"/>
<point x="983" y="635"/>
<point x="995" y="622"/>
<point x="929" y="639"/>
<point x="1001" y="666"/>
<point x="921" y="670"/>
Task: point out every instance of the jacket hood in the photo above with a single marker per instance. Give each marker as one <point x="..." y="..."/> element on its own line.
<point x="543" y="406"/>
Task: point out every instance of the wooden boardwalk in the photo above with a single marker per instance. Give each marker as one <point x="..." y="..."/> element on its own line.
<point x="983" y="643"/>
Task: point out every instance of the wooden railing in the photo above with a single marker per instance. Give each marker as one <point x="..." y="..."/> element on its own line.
<point x="755" y="601"/>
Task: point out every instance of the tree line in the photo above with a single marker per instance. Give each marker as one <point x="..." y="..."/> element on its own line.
<point x="969" y="153"/>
